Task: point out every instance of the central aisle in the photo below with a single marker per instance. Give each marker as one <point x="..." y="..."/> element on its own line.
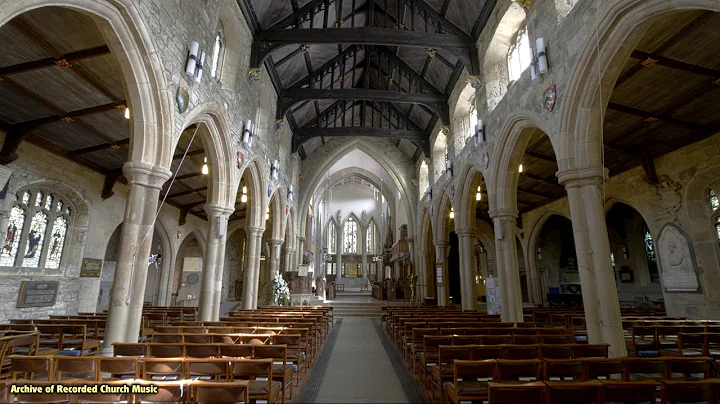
<point x="359" y="369"/>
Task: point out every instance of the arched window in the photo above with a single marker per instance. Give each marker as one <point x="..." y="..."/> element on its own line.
<point x="713" y="200"/>
<point x="649" y="246"/>
<point x="331" y="238"/>
<point x="37" y="229"/>
<point x="350" y="236"/>
<point x="519" y="54"/>
<point x="370" y="238"/>
<point x="218" y="51"/>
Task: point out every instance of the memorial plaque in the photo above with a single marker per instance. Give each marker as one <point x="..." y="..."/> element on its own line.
<point x="439" y="275"/>
<point x="37" y="293"/>
<point x="91" y="268"/>
<point x="302" y="270"/>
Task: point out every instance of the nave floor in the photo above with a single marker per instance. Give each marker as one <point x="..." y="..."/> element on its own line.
<point x="358" y="364"/>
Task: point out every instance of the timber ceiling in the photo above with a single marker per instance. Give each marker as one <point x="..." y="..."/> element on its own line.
<point x="380" y="68"/>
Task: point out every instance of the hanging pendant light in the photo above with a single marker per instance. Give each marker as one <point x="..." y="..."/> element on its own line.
<point x="520" y="169"/>
<point x="205" y="169"/>
<point x="452" y="213"/>
<point x="478" y="195"/>
<point x="267" y="213"/>
<point x="243" y="197"/>
<point x="127" y="112"/>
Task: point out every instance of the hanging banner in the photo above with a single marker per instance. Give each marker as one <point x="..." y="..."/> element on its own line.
<point x="493" y="295"/>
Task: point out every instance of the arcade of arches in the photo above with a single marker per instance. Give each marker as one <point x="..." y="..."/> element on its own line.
<point x="204" y="156"/>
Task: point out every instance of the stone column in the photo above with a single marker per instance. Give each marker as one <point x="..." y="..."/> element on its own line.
<point x="217" y="214"/>
<point x="251" y="275"/>
<point x="275" y="245"/>
<point x="155" y="180"/>
<point x="223" y="216"/>
<point x="593" y="252"/>
<point x="421" y="269"/>
<point x="256" y="268"/>
<point x="467" y="270"/>
<point x="364" y="259"/>
<point x="119" y="309"/>
<point x="440" y="259"/>
<point x="338" y="256"/>
<point x="300" y="252"/>
<point x="289" y="258"/>
<point x="508" y="271"/>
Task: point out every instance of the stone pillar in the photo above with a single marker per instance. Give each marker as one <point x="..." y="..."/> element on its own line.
<point x="251" y="276"/>
<point x="223" y="214"/>
<point x="155" y="180"/>
<point x="119" y="308"/>
<point x="275" y="245"/>
<point x="338" y="256"/>
<point x="467" y="270"/>
<point x="289" y="258"/>
<point x="593" y="252"/>
<point x="533" y="281"/>
<point x="440" y="259"/>
<point x="256" y="282"/>
<point x="422" y="274"/>
<point x="508" y="271"/>
<point x="300" y="252"/>
<point x="364" y="259"/>
<point x="213" y="264"/>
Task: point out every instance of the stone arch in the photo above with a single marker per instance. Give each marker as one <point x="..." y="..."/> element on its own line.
<point x="618" y="30"/>
<point x="495" y="65"/>
<point x="341" y="230"/>
<point x="462" y="129"/>
<point x="403" y="186"/>
<point x="441" y="228"/>
<point x="471" y="177"/>
<point x="169" y="255"/>
<point x="366" y="175"/>
<point x="277" y="212"/>
<point x="196" y="235"/>
<point x="508" y="155"/>
<point x="214" y="132"/>
<point x="534" y="290"/>
<point x="151" y="120"/>
<point x="440" y="148"/>
<point x="252" y="173"/>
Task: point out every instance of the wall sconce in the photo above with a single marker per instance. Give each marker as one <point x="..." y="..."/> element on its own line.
<point x="448" y="167"/>
<point x="247" y="133"/>
<point x="478" y="195"/>
<point x="195" y="61"/>
<point x="479" y="132"/>
<point x="243" y="197"/>
<point x="625" y="253"/>
<point x="538" y="63"/>
<point x="274" y="169"/>
<point x="428" y="194"/>
<point x="205" y="170"/>
<point x="127" y="112"/>
<point x="290" y="195"/>
<point x="520" y="169"/>
<point x="452" y="213"/>
<point x="539" y="253"/>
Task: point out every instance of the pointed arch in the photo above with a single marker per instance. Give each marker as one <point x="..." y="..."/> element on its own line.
<point x="331" y="230"/>
<point x="371" y="237"/>
<point x="251" y="174"/>
<point x="350" y="233"/>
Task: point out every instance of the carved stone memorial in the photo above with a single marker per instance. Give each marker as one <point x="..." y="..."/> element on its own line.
<point x="676" y="261"/>
<point x="37" y="294"/>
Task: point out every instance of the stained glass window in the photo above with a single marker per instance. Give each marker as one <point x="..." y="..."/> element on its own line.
<point x="35" y="236"/>
<point x="649" y="246"/>
<point x="717" y="226"/>
<point x="332" y="238"/>
<point x="518" y="55"/>
<point x="714" y="201"/>
<point x="350" y="236"/>
<point x="12" y="240"/>
<point x="41" y="246"/>
<point x="370" y="237"/>
<point x="57" y="242"/>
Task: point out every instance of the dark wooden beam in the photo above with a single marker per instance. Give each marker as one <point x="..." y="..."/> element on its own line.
<point x="539" y="156"/>
<point x="437" y="103"/>
<point x="188" y="192"/>
<point x="185" y="209"/>
<point x="543" y="180"/>
<point x="111" y="178"/>
<point x="267" y="41"/>
<point x="50" y="62"/>
<point x="186" y="176"/>
<point x="653" y="59"/>
<point x="292" y="19"/>
<point x="191" y="153"/>
<point x="250" y="17"/>
<point x="309" y="79"/>
<point x="308" y="133"/>
<point x="407" y="68"/>
<point x="652" y="117"/>
<point x="99" y="147"/>
<point x="446" y="24"/>
<point x="483" y="18"/>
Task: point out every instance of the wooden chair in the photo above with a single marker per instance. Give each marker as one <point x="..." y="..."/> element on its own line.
<point x="521" y="352"/>
<point x="605" y="368"/>
<point x="116" y="368"/>
<point x="206" y="368"/>
<point x="525" y="339"/>
<point x="219" y="392"/>
<point x="155" y="350"/>
<point x="556" y="351"/>
<point x="167" y="392"/>
<point x="429" y="354"/>
<point x="511" y="393"/>
<point x="74" y="367"/>
<point x="479" y="352"/>
<point x="282" y="371"/>
<point x="201" y="350"/>
<point x="466" y="384"/>
<point x="689" y="366"/>
<point x="31" y="367"/>
<point x="590" y="351"/>
<point x="162" y="369"/>
<point x="703" y="391"/>
<point x="443" y="371"/>
<point x="642" y="338"/>
<point x="514" y="371"/>
<point x="645" y="369"/>
<point x="133" y="349"/>
<point x="294" y="353"/>
<point x="496" y="340"/>
<point x="564" y="369"/>
<point x="251" y="370"/>
<point x="614" y="391"/>
<point x="104" y="397"/>
<point x="587" y="392"/>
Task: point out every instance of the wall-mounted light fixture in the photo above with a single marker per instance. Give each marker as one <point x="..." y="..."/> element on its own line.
<point x="479" y="132"/>
<point x="478" y="194"/>
<point x="520" y="169"/>
<point x="195" y="61"/>
<point x="448" y="167"/>
<point x="452" y="213"/>
<point x="205" y="170"/>
<point x="625" y="253"/>
<point x="243" y="197"/>
<point x="538" y="59"/>
<point x="274" y="169"/>
<point x="290" y="195"/>
<point x="247" y="133"/>
<point x="127" y="112"/>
